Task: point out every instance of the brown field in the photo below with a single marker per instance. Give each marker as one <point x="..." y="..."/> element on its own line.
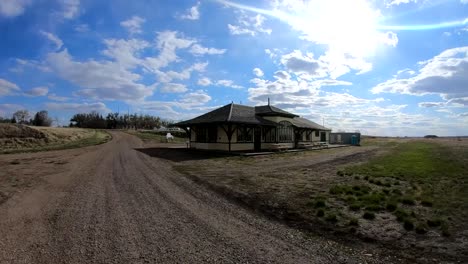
<point x="414" y="192"/>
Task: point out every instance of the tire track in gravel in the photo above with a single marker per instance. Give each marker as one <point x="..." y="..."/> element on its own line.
<point x="119" y="205"/>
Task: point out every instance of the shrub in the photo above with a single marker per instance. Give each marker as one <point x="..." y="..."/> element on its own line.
<point x="408" y="224"/>
<point x="355" y="206"/>
<point x="320" y="213"/>
<point x="434" y="222"/>
<point x="408" y="200"/>
<point x="319" y="203"/>
<point x="353" y="222"/>
<point x="368" y="215"/>
<point x="421" y="228"/>
<point x="400" y="214"/>
<point x="426" y="202"/>
<point x="391" y="206"/>
<point x="331" y="218"/>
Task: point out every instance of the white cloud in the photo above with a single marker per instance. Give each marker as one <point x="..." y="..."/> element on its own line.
<point x="298" y="63"/>
<point x="446" y="75"/>
<point x="198" y="97"/>
<point x="204" y="81"/>
<point x="82" y="28"/>
<point x="250" y="25"/>
<point x="198" y="49"/>
<point x="167" y="42"/>
<point x="431" y="104"/>
<point x="98" y="79"/>
<point x="228" y="83"/>
<point x="133" y="25"/>
<point x="71" y="8"/>
<point x="183" y="75"/>
<point x="13" y="8"/>
<point x="54" y="97"/>
<point x="258" y="72"/>
<point x="7" y="88"/>
<point x="398" y="2"/>
<point x="192" y="13"/>
<point x="37" y="91"/>
<point x="125" y="51"/>
<point x="173" y="88"/>
<point x="57" y="41"/>
<point x="78" y="107"/>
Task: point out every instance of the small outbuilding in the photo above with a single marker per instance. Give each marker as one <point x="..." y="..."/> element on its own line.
<point x="345" y="138"/>
<point x="236" y="127"/>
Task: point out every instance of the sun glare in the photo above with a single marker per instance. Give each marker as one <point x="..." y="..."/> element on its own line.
<point x="345" y="26"/>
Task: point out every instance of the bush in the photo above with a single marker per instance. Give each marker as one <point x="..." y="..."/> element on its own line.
<point x="368" y="215"/>
<point x="421" y="228"/>
<point x="320" y="213"/>
<point x="391" y="206"/>
<point x="408" y="200"/>
<point x="434" y="222"/>
<point x="353" y="222"/>
<point x="355" y="206"/>
<point x="331" y="218"/>
<point x="400" y="214"/>
<point x="319" y="203"/>
<point x="426" y="203"/>
<point x="408" y="224"/>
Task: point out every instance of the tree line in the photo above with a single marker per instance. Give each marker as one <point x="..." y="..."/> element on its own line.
<point x="91" y="120"/>
<point x="117" y="121"/>
<point x="41" y="118"/>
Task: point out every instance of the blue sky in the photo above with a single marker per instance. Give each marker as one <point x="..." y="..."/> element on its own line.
<point x="393" y="68"/>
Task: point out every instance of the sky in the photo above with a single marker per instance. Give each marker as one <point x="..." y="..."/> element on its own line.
<point x="386" y="68"/>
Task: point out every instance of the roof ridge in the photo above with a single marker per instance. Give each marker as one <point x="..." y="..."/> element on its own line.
<point x="230" y="112"/>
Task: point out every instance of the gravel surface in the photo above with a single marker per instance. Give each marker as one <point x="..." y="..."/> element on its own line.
<point x="113" y="204"/>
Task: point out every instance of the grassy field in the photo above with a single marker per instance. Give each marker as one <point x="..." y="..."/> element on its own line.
<point x="18" y="139"/>
<point x="147" y="135"/>
<point x="409" y="192"/>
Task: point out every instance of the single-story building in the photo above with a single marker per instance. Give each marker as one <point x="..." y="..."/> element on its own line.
<point x="235" y="127"/>
<point x="345" y="138"/>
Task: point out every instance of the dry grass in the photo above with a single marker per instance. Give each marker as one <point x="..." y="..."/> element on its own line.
<point x="20" y="138"/>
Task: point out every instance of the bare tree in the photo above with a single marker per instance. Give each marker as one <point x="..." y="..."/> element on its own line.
<point x="21" y="116"/>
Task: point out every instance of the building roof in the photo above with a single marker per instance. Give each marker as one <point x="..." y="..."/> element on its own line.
<point x="231" y="113"/>
<point x="269" y="110"/>
<point x="242" y="114"/>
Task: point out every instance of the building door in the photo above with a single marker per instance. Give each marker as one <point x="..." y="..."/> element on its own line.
<point x="323" y="136"/>
<point x="257" y="139"/>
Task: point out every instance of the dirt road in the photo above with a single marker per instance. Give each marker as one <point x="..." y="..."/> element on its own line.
<point x="114" y="204"/>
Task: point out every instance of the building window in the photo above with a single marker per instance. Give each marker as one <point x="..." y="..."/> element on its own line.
<point x="244" y="134"/>
<point x="317" y="133"/>
<point x="285" y="132"/>
<point x="212" y="134"/>
<point x="268" y="134"/>
<point x="201" y="134"/>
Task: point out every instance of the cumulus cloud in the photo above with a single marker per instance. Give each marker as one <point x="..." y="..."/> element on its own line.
<point x="78" y="107"/>
<point x="198" y="49"/>
<point x="299" y="63"/>
<point x="173" y="88"/>
<point x="204" y="81"/>
<point x="7" y="88"/>
<point x="398" y="2"/>
<point x="183" y="75"/>
<point x="258" y="72"/>
<point x="13" y="8"/>
<point x="446" y="75"/>
<point x="98" y="79"/>
<point x="53" y="38"/>
<point x="250" y="25"/>
<point x="54" y="97"/>
<point x="125" y="52"/>
<point x="198" y="97"/>
<point x="168" y="42"/>
<point x="192" y="13"/>
<point x="133" y="25"/>
<point x="228" y="83"/>
<point x="38" y="91"/>
<point x="70" y="8"/>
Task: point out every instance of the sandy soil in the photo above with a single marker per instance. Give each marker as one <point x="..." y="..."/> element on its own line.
<point x="114" y="204"/>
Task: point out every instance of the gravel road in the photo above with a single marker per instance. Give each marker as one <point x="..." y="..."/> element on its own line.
<point x="114" y="204"/>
